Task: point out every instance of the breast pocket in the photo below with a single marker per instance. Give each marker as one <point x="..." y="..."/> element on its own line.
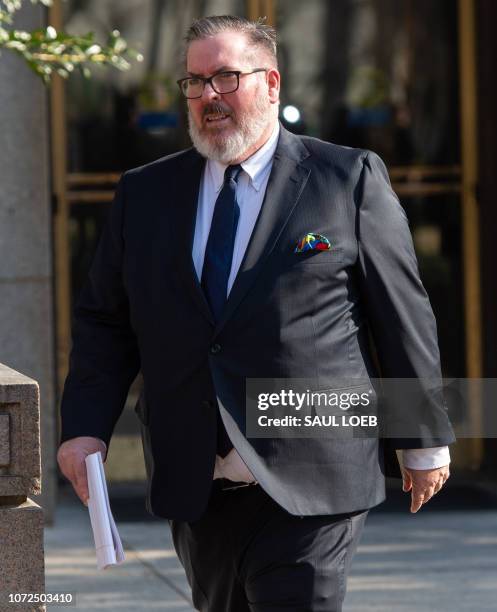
<point x="334" y="255"/>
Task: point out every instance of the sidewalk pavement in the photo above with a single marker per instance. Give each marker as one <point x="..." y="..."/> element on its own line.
<point x="439" y="560"/>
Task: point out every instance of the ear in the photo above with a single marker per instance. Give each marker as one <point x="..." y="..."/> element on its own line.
<point x="273" y="81"/>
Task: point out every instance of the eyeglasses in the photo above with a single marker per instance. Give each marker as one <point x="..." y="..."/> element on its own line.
<point x="222" y="82"/>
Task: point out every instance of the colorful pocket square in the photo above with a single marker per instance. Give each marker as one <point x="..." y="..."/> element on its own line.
<point x="313" y="242"/>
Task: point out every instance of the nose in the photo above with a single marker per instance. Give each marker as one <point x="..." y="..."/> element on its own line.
<point x="209" y="93"/>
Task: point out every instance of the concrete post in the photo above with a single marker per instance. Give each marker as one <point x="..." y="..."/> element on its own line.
<point x="21" y="520"/>
<point x="26" y="278"/>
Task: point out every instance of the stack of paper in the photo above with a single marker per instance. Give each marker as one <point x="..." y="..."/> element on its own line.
<point x="107" y="541"/>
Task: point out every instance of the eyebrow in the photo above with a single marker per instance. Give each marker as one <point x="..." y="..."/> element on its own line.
<point x="222" y="69"/>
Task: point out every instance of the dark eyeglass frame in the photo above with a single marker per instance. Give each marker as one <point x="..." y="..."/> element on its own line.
<point x="237" y="73"/>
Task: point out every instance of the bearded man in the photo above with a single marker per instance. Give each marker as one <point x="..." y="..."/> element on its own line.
<point x="254" y="254"/>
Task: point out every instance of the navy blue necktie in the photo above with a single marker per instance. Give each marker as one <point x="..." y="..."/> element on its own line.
<point x="217" y="266"/>
<point x="219" y="249"/>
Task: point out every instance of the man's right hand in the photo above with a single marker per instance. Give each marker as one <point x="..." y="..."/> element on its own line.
<point x="71" y="458"/>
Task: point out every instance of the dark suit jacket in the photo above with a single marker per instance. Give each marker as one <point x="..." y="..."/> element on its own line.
<point x="287" y="316"/>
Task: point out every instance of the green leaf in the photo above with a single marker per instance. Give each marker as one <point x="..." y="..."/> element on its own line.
<point x="48" y="52"/>
<point x="11" y="5"/>
<point x="15" y="45"/>
<point x="21" y="35"/>
<point x="93" y="50"/>
<point x="51" y="33"/>
<point x="120" y="45"/>
<point x="5" y="17"/>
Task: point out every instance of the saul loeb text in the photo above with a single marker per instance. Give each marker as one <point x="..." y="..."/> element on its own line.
<point x="297" y="411"/>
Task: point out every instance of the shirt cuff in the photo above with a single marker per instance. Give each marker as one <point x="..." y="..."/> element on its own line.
<point x="426" y="458"/>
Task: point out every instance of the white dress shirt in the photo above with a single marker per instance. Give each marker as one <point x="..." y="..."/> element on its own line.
<point x="251" y="187"/>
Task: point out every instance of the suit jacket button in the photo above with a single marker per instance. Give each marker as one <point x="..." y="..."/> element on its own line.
<point x="215" y="348"/>
<point x="206" y="404"/>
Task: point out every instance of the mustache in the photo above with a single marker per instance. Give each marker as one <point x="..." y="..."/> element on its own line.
<point x="214" y="108"/>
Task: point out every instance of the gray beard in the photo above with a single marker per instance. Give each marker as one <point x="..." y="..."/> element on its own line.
<point x="226" y="149"/>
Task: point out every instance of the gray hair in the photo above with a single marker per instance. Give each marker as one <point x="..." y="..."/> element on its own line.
<point x="259" y="35"/>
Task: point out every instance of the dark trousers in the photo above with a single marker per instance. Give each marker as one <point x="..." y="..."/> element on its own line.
<point x="247" y="554"/>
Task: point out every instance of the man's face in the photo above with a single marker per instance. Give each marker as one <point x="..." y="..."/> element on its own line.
<point x="230" y="127"/>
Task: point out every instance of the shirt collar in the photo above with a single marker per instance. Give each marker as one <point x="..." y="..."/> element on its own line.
<point x="255" y="166"/>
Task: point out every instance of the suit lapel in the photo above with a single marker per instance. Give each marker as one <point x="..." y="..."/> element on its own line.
<point x="285" y="185"/>
<point x="184" y="217"/>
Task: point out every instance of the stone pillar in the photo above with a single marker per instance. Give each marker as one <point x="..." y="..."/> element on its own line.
<point x="26" y="279"/>
<point x="21" y="520"/>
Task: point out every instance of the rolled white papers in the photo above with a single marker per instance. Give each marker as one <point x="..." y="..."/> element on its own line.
<point x="108" y="544"/>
